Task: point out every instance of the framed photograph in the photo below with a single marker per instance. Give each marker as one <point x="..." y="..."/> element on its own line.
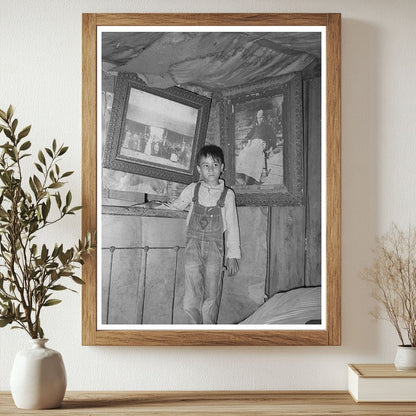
<point x="262" y="132"/>
<point x="266" y="89"/>
<point x="155" y="132"/>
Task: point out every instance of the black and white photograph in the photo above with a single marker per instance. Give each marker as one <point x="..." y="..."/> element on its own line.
<point x="215" y="136"/>
<point x="155" y="132"/>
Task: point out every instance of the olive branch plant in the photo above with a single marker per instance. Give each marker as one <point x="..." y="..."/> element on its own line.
<point x="31" y="273"/>
<point x="393" y="278"/>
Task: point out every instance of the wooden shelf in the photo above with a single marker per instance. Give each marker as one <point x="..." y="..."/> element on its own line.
<point x="266" y="403"/>
<point x="142" y="212"/>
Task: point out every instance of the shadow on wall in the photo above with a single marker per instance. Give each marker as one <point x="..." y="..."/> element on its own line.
<point x="361" y="129"/>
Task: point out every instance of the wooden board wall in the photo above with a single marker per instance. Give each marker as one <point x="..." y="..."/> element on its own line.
<point x="313" y="183"/>
<point x="295" y="232"/>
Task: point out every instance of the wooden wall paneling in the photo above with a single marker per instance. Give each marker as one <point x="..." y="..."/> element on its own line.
<point x="287" y="246"/>
<point x="313" y="182"/>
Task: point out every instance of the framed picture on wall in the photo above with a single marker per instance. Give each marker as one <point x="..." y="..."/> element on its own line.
<point x="155" y="132"/>
<point x="264" y="87"/>
<point x="262" y="133"/>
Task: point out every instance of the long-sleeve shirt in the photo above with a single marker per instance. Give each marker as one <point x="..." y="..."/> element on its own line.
<point x="209" y="196"/>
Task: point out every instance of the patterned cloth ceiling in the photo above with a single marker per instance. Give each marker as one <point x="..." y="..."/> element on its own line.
<point x="211" y="60"/>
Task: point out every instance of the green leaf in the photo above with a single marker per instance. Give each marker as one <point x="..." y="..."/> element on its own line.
<point x="45" y="211"/>
<point x="41" y="157"/>
<point x="54" y="145"/>
<point x="37" y="182"/>
<point x="58" y="199"/>
<point x="40" y="332"/>
<point x="8" y="133"/>
<point x="55" y="251"/>
<point x="67" y="174"/>
<point x="39" y="167"/>
<point x="77" y="208"/>
<point x="76" y="279"/>
<point x="59" y="287"/>
<point x="10" y="112"/>
<point x="56" y="185"/>
<point x="5" y="321"/>
<point x="25" y="145"/>
<point x="63" y="150"/>
<point x="33" y="187"/>
<point x="3" y="115"/>
<point x="68" y="199"/>
<point x="14" y="125"/>
<point x="51" y="302"/>
<point x="24" y="132"/>
<point x="25" y="155"/>
<point x="62" y="257"/>
<point x="5" y="298"/>
<point x="44" y="253"/>
<point x="49" y="152"/>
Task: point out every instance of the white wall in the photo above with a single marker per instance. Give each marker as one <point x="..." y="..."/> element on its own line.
<point x="40" y="73"/>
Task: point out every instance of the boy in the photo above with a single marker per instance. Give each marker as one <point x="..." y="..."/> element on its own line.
<point x="212" y="213"/>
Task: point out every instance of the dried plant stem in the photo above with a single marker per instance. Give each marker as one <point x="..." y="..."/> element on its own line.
<point x="393" y="276"/>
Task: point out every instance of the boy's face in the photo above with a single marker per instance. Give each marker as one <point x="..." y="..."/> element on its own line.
<point x="210" y="170"/>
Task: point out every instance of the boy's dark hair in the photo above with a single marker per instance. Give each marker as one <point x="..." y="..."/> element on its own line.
<point x="210" y="150"/>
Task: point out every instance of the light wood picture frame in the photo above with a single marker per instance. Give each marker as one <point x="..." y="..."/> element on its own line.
<point x="329" y="333"/>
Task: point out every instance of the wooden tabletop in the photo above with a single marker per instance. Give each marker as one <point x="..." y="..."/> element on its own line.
<point x="212" y="403"/>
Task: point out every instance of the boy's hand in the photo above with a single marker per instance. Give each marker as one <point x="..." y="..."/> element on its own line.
<point x="154" y="204"/>
<point x="232" y="267"/>
<point x="149" y="205"/>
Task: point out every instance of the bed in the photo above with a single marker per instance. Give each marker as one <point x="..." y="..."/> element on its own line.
<point x="294" y="307"/>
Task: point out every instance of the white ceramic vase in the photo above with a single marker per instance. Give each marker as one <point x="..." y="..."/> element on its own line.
<point x="405" y="358"/>
<point x="38" y="377"/>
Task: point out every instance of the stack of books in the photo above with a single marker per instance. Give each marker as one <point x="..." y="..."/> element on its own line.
<point x="381" y="383"/>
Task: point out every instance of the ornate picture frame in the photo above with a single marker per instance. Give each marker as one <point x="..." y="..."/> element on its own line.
<point x="326" y="333"/>
<point x="278" y="179"/>
<point x="155" y="132"/>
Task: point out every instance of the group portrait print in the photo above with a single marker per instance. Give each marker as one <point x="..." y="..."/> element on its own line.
<point x="250" y="101"/>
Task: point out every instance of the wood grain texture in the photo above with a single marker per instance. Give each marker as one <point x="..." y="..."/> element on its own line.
<point x="380" y="371"/>
<point x="211" y="338"/>
<point x="259" y="403"/>
<point x="287" y="249"/>
<point x="331" y="336"/>
<point x="313" y="216"/>
<point x="89" y="172"/>
<point x="333" y="175"/>
<point x="211" y="19"/>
